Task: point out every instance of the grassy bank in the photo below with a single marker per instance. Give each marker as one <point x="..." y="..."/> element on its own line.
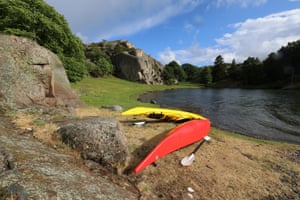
<point x="113" y="91"/>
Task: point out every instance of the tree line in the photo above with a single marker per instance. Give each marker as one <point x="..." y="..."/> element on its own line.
<point x="279" y="68"/>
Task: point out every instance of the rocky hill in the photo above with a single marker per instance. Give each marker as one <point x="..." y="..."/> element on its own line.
<point x="131" y="63"/>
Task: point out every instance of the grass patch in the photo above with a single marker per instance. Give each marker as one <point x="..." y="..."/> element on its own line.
<point x="39" y="128"/>
<point x="216" y="131"/>
<point x="39" y="122"/>
<point x="114" y="91"/>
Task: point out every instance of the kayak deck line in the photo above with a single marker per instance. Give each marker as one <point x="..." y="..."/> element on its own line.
<point x="181" y="136"/>
<point x="163" y="114"/>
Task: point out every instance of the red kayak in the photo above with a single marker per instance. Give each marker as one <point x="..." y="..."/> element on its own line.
<point x="181" y="136"/>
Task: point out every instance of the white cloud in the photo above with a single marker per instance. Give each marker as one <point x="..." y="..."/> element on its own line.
<point x="114" y="18"/>
<point x="253" y="37"/>
<point x="193" y="55"/>
<point x="168" y="55"/>
<point x="242" y="3"/>
<point x="95" y="20"/>
<point x="258" y="37"/>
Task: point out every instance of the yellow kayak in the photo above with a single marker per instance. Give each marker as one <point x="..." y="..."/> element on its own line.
<point x="163" y="114"/>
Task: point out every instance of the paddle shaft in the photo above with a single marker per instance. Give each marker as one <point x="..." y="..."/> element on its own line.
<point x="198" y="147"/>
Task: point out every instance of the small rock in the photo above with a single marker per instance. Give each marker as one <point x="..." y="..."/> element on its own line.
<point x="191" y="190"/>
<point x="18" y="191"/>
<point x="6" y="161"/>
<point x="153" y="101"/>
<point x="190" y="195"/>
<point x="29" y="129"/>
<point x="114" y="108"/>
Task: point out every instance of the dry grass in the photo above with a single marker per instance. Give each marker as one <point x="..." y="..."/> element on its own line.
<point x="228" y="167"/>
<point x="40" y="129"/>
<point x="92" y="111"/>
<point x="44" y="130"/>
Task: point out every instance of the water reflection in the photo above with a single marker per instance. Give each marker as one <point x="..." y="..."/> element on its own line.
<point x="269" y="114"/>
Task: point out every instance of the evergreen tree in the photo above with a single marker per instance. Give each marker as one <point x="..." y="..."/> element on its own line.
<point x="252" y="71"/>
<point x="234" y="72"/>
<point x="290" y="59"/>
<point x="219" y="69"/>
<point x="206" y="75"/>
<point x="273" y="68"/>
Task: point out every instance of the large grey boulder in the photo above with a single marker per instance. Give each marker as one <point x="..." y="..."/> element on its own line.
<point x="97" y="139"/>
<point x="32" y="75"/>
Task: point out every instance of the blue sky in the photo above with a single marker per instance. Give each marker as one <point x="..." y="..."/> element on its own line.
<point x="187" y="31"/>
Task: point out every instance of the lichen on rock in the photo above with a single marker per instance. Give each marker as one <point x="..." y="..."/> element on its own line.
<point x="98" y="139"/>
<point x="31" y="74"/>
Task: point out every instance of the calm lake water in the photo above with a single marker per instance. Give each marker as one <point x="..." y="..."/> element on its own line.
<point x="267" y="114"/>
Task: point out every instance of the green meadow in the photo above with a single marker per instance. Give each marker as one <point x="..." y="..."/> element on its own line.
<point x="114" y="91"/>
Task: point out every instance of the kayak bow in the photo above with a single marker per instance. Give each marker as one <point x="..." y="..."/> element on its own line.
<point x="179" y="137"/>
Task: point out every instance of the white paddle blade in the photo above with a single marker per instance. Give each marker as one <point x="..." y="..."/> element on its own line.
<point x="207" y="138"/>
<point x="139" y="124"/>
<point x="188" y="160"/>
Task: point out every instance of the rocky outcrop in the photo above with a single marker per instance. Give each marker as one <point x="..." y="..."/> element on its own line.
<point x="131" y="63"/>
<point x="32" y="170"/>
<point x="32" y="75"/>
<point x="138" y="66"/>
<point x="97" y="139"/>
